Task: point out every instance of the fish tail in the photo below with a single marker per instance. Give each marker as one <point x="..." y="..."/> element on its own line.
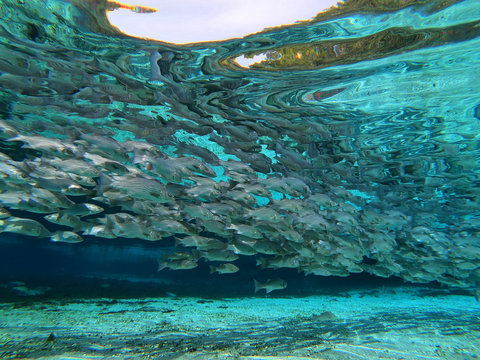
<point x="181" y="205"/>
<point x="161" y="265"/>
<point x="258" y="286"/>
<point x="55" y="236"/>
<point x="79" y="227"/>
<point x="104" y="183"/>
<point x="139" y="158"/>
<point x="196" y="254"/>
<point x="109" y="225"/>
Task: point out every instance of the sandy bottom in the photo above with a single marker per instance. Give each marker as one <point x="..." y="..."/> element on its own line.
<point x="398" y="323"/>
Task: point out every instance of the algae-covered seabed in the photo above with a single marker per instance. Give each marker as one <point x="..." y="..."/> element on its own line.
<point x="395" y="323"/>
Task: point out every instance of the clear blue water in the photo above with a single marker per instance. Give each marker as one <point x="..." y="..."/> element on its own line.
<point x="347" y="160"/>
<point x="359" y="155"/>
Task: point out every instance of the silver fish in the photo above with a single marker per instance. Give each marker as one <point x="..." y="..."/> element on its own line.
<point x="201" y="242"/>
<point x="104" y="163"/>
<point x="219" y="255"/>
<point x="242" y="197"/>
<point x="12" y="172"/>
<point x="195" y="165"/>
<point x="66" y="219"/>
<point x="137" y="187"/>
<point x="63" y="185"/>
<point x="180" y="264"/>
<point x="7" y="130"/>
<point x="83" y="209"/>
<point x="270" y="285"/>
<point x="224" y="269"/>
<point x="279" y="262"/>
<point x="203" y="192"/>
<point x="198" y="212"/>
<point x="246" y="230"/>
<point x="167" y="168"/>
<point x="51" y="145"/>
<point x="241" y="247"/>
<point x="24" y="226"/>
<point x="169" y="226"/>
<point x="66" y="237"/>
<point x="99" y="231"/>
<point x="264" y="214"/>
<point x="4" y="213"/>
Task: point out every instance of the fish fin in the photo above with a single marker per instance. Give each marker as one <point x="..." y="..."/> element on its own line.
<point x="29" y="168"/>
<point x="148" y="166"/>
<point x="73" y="133"/>
<point x="161" y="265"/>
<point x="78" y="228"/>
<point x="108" y="226"/>
<point x="258" y="286"/>
<point x="231" y="247"/>
<point x="19" y="137"/>
<point x="79" y="155"/>
<point x="53" y="237"/>
<point x="139" y="158"/>
<point x="104" y="183"/>
<point x="212" y="269"/>
<point x="196" y="254"/>
<point x="232" y="184"/>
<point x="23" y="202"/>
<point x="198" y="225"/>
<point x="261" y="263"/>
<point x="181" y="205"/>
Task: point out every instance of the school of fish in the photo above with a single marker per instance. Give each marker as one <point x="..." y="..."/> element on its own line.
<point x="151" y="143"/>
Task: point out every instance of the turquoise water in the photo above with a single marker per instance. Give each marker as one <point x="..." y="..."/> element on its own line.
<point x="348" y="159"/>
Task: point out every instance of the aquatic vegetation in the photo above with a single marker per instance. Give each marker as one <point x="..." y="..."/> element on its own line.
<point x="352" y="147"/>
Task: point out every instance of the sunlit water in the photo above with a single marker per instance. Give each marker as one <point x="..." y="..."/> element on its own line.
<point x="347" y="152"/>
